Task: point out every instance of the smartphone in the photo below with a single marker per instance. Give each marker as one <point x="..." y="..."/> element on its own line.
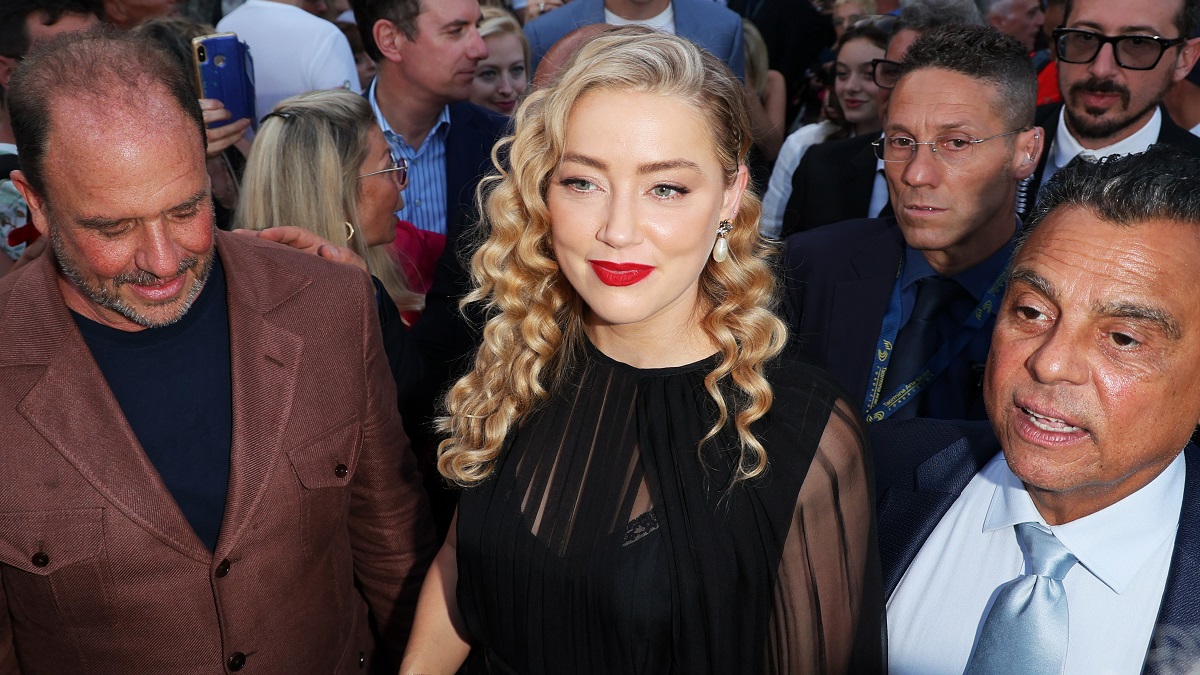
<point x="225" y="71"/>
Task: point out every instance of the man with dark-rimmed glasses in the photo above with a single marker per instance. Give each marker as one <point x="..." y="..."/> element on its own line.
<point x="1116" y="62"/>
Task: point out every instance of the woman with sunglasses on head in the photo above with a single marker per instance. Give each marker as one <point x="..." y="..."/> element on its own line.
<point x="857" y="98"/>
<point x="320" y="162"/>
<point x="650" y="484"/>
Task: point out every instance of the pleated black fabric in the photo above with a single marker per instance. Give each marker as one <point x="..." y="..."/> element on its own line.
<point x="605" y="543"/>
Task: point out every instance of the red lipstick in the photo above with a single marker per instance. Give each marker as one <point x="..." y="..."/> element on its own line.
<point x="620" y="274"/>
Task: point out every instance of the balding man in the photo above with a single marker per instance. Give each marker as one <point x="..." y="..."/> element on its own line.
<point x="206" y="469"/>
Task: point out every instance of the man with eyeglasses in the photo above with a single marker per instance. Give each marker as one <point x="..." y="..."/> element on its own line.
<point x="427" y="51"/>
<point x="1116" y="62"/>
<point x="900" y="310"/>
<point x="842" y="179"/>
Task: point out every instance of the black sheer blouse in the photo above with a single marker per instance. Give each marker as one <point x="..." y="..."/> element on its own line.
<point x="605" y="543"/>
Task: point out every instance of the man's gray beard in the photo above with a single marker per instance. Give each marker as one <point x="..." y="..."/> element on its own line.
<point x="110" y="300"/>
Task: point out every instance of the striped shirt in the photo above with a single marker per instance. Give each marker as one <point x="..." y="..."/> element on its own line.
<point x="425" y="196"/>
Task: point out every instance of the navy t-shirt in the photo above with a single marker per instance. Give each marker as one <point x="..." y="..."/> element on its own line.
<point x="175" y="388"/>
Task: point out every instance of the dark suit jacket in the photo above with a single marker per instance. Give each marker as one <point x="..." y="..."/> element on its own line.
<point x="837" y="282"/>
<point x="323" y="492"/>
<point x="1047" y="118"/>
<point x="704" y="22"/>
<point x="922" y="466"/>
<point x="832" y="183"/>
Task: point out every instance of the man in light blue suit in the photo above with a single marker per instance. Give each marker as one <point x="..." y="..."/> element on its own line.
<point x="1068" y="541"/>
<point x="707" y="23"/>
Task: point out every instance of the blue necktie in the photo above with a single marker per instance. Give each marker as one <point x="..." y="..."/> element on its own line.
<point x="1026" y="629"/>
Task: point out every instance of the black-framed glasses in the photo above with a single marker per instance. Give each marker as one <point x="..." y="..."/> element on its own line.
<point x="397" y="165"/>
<point x="950" y="148"/>
<point x="1132" y="52"/>
<point x="885" y="73"/>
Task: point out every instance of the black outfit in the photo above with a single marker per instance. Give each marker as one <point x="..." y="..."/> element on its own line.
<point x="832" y="183"/>
<point x="604" y="543"/>
<point x="174" y="384"/>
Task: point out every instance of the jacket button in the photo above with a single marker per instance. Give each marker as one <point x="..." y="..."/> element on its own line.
<point x="222" y="569"/>
<point x="236" y="661"/>
<point x="362" y="659"/>
<point x="341" y="470"/>
<point x="40" y="559"/>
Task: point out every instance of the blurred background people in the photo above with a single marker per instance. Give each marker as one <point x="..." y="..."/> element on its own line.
<point x="321" y="163"/>
<point x="502" y="77"/>
<point x="294" y="51"/>
<point x="846" y="13"/>
<point x="129" y="13"/>
<point x="22" y="24"/>
<point x="858" y="99"/>
<point x="767" y="102"/>
<point x="1021" y="20"/>
<point x="363" y="62"/>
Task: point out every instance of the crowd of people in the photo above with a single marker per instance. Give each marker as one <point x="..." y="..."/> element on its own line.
<point x="601" y="336"/>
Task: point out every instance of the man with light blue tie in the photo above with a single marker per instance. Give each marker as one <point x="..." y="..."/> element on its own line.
<point x="1068" y="541"/>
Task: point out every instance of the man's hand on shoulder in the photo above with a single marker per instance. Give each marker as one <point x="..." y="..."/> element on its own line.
<point x="303" y="240"/>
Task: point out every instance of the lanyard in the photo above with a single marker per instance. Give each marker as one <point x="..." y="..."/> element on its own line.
<point x="877" y="410"/>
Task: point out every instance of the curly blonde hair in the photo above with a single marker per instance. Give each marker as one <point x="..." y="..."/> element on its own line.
<point x="534" y="329"/>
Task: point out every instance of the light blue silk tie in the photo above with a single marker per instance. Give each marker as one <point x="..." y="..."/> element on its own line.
<point x="1026" y="629"/>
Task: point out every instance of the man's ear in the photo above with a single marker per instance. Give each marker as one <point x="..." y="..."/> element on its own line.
<point x="1028" y="152"/>
<point x="1188" y="54"/>
<point x="114" y="12"/>
<point x="7" y="65"/>
<point x="37" y="205"/>
<point x="389" y="39"/>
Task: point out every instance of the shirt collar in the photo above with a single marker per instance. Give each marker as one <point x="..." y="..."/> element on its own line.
<point x="441" y="127"/>
<point x="1112" y="543"/>
<point x="1066" y="147"/>
<point x="977" y="280"/>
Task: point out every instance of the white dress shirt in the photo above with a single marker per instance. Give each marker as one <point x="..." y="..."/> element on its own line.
<point x="663" y="22"/>
<point x="1113" y="595"/>
<point x="1065" y="147"/>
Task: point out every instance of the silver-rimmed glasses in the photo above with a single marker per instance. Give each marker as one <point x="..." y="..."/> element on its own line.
<point x="950" y="148"/>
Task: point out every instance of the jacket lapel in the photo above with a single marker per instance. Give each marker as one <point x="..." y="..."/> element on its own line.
<point x="265" y="361"/>
<point x="89" y="430"/>
<point x="1174" y="646"/>
<point x="909" y="510"/>
<point x="862" y="299"/>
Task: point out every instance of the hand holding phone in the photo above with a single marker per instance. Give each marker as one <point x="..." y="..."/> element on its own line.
<point x="225" y="72"/>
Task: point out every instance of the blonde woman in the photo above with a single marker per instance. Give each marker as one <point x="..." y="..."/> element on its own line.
<point x="649" y="485"/>
<point x="320" y="162"/>
<point x="502" y="78"/>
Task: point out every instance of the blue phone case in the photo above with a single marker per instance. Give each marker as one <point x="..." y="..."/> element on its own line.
<point x="225" y="71"/>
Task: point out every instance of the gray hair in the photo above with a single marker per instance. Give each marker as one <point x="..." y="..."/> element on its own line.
<point x="1162" y="183"/>
<point x="924" y="15"/>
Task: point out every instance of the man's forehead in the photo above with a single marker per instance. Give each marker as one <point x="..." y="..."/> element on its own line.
<point x="1117" y="17"/>
<point x="944" y="98"/>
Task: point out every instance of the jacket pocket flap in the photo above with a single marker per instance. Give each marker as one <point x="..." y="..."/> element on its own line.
<point x="328" y="460"/>
<point x="41" y="542"/>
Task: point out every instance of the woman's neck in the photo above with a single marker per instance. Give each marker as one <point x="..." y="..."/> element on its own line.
<point x="646" y="345"/>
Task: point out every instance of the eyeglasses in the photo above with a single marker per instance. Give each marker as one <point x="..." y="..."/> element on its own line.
<point x="950" y="148"/>
<point x="400" y="166"/>
<point x="1132" y="52"/>
<point x="885" y="73"/>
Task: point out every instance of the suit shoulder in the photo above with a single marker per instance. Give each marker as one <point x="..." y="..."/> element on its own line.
<point x="901" y="447"/>
<point x="279" y="259"/>
<point x="465" y="112"/>
<point x="838" y="240"/>
<point x="1175" y="135"/>
<point x="840" y="146"/>
<point x="709" y="12"/>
